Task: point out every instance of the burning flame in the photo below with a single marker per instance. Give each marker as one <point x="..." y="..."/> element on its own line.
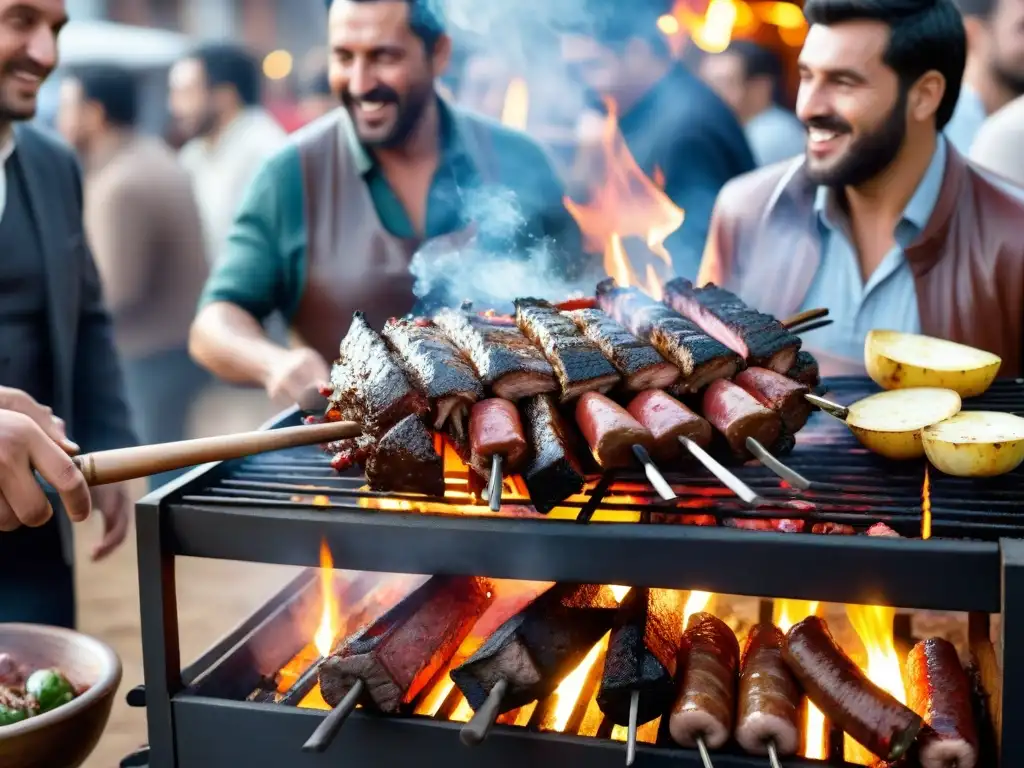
<point x="874" y="626"/>
<point x="926" y="506"/>
<point x="726" y="20"/>
<point x="329" y="623"/>
<point x="786" y="613"/>
<point x="517" y="105"/>
<point x="627" y="204"/>
<point x="695" y="603"/>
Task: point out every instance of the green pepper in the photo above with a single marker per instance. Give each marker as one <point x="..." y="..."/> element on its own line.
<point x="49" y="688"/>
<point x="10" y="715"/>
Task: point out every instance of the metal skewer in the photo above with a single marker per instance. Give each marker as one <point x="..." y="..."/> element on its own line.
<point x="654" y="476"/>
<point x="728" y="479"/>
<point x="801" y="329"/>
<point x="328" y="729"/>
<point x="773" y="755"/>
<point x="475" y="731"/>
<point x="791" y="476"/>
<point x="495" y="484"/>
<point x="805" y="317"/>
<point x="704" y="756"/>
<point x="634" y="713"/>
<point x="832" y="409"/>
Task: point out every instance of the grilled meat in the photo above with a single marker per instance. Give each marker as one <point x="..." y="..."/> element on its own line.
<point x="436" y="367"/>
<point x="610" y="431"/>
<point x="699" y="358"/>
<point x="370" y="386"/>
<point x="706" y="703"/>
<point x="778" y="393"/>
<point x="639" y="364"/>
<point x="505" y="360"/>
<point x="737" y="415"/>
<point x="405" y="461"/>
<point x="397" y="655"/>
<point x="667" y="420"/>
<point x="553" y="473"/>
<point x="496" y="429"/>
<point x="940" y="692"/>
<point x="535" y="649"/>
<point x="805" y="370"/>
<point x="578" y="362"/>
<point x="642" y="655"/>
<point x="758" y="338"/>
<point x="769" y="697"/>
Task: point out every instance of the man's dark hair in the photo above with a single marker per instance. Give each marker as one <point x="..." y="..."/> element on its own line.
<point x="113" y="88"/>
<point x="982" y="9"/>
<point x="426" y="19"/>
<point x="926" y="35"/>
<point x="759" y="61"/>
<point x="227" y="64"/>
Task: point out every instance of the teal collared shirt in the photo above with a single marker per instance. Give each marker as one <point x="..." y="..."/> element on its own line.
<point x="888" y="299"/>
<point x="262" y="266"/>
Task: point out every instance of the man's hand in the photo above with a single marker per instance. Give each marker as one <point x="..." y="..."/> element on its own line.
<point x="24" y="446"/>
<point x="296" y="374"/>
<point x="115" y="505"/>
<point x="53" y="426"/>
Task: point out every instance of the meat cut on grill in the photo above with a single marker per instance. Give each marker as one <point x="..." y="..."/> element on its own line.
<point x="642" y="655"/>
<point x="535" y="649"/>
<point x="436" y="367"/>
<point x="769" y="696"/>
<point x="553" y="472"/>
<point x="667" y="420"/>
<point x="578" y="362"/>
<point x="639" y="364"/>
<point x="369" y="386"/>
<point x="699" y="358"/>
<point x="496" y="429"/>
<point x="610" y="431"/>
<point x="760" y="339"/>
<point x="397" y="655"/>
<point x="505" y="360"/>
<point x="737" y="415"/>
<point x="404" y="461"/>
<point x="939" y="691"/>
<point x="780" y="394"/>
<point x="805" y="370"/>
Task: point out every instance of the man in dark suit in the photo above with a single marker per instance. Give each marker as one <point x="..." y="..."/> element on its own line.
<point x="55" y="335"/>
<point x="672" y="122"/>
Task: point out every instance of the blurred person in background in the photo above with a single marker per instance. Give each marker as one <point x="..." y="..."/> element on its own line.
<point x="215" y="99"/>
<point x="484" y="84"/>
<point x="995" y="65"/>
<point x="749" y="78"/>
<point x="331" y="223"/>
<point x="56" y="343"/>
<point x="144" y="227"/>
<point x="881" y="221"/>
<point x="669" y="118"/>
<point x="315" y="98"/>
<point x="999" y="145"/>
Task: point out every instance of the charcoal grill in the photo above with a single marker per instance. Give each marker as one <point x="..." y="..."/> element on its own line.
<point x="277" y="508"/>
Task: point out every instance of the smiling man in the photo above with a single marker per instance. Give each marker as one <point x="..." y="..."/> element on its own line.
<point x="881" y="221"/>
<point x="331" y="223"/>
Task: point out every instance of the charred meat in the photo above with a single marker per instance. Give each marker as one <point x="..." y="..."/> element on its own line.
<point x="769" y="697"/>
<point x="778" y="393"/>
<point x="668" y="420"/>
<point x="940" y="692"/>
<point x="553" y="472"/>
<point x="404" y="461"/>
<point x="639" y="364"/>
<point x="805" y="370"/>
<point x="496" y="429"/>
<point x="737" y="415"/>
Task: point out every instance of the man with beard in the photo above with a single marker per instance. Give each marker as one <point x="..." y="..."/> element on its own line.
<point x="995" y="65"/>
<point x="56" y="345"/>
<point x="882" y="221"/>
<point x="331" y="222"/>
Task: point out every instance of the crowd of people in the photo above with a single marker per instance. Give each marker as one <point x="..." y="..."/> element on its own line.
<point x="133" y="274"/>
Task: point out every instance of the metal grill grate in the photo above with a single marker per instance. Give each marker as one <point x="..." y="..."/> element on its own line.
<point x="851" y="486"/>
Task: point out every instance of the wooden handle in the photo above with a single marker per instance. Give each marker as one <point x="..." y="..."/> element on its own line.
<point x="122" y="464"/>
<point x="475" y="731"/>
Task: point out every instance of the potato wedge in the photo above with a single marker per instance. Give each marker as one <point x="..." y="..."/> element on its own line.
<point x="890" y="423"/>
<point x="902" y="360"/>
<point x="976" y="444"/>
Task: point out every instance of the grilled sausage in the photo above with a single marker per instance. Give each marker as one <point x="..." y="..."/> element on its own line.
<point x="778" y="393"/>
<point x="845" y="695"/>
<point x="610" y="430"/>
<point x="667" y="420"/>
<point x="769" y="700"/>
<point x="939" y="691"/>
<point x="706" y="703"/>
<point x="737" y="415"/>
<point x="883" y="530"/>
<point x="496" y="429"/>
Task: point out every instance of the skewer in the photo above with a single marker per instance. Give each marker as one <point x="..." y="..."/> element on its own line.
<point x="328" y="729"/>
<point x="791" y="476"/>
<point x="832" y="409"/>
<point x="634" y="713"/>
<point x="799" y="330"/>
<point x="654" y="476"/>
<point x="773" y="755"/>
<point x="805" y="317"/>
<point x="704" y="756"/>
<point x="727" y="478"/>
<point x="475" y="731"/>
<point x="495" y="484"/>
<point x="122" y="464"/>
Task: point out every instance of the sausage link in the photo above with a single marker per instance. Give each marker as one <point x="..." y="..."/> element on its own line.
<point x="939" y="691"/>
<point x="495" y="428"/>
<point x="610" y="430"/>
<point x="706" y="703"/>
<point x="769" y="698"/>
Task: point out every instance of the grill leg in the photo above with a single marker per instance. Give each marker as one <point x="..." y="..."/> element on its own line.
<point x="1011" y="715"/>
<point x="161" y="658"/>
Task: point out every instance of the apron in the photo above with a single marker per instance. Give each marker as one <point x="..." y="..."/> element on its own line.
<point x="352" y="262"/>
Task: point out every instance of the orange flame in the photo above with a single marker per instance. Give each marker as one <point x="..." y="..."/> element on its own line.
<point x="516" y="111"/>
<point x="329" y="621"/>
<point x="786" y="613"/>
<point x="726" y="20"/>
<point x="695" y="603"/>
<point x="926" y="506"/>
<point x="874" y="626"/>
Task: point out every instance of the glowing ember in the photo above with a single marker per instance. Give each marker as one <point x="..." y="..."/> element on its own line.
<point x="926" y="506"/>
<point x="517" y="105"/>
<point x="328" y="629"/>
<point x="786" y="613"/>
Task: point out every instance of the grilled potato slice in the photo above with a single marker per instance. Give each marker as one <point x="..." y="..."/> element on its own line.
<point x="903" y="360"/>
<point x="890" y="423"/>
<point x="976" y="444"/>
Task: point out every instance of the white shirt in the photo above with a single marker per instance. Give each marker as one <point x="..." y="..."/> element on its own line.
<point x="6" y="150"/>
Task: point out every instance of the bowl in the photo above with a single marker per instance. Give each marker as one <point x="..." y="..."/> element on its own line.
<point x="63" y="737"/>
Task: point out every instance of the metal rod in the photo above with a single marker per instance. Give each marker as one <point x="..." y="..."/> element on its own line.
<point x="475" y="731"/>
<point x="727" y="478"/>
<point x="328" y="729"/>
<point x="704" y="756"/>
<point x="800" y="330"/>
<point x="495" y="485"/>
<point x="791" y="476"/>
<point x="773" y="755"/>
<point x="634" y="714"/>
<point x="832" y="409"/>
<point x="654" y="476"/>
<point x="805" y="317"/>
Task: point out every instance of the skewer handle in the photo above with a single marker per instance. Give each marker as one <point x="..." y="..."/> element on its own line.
<point x="495" y="486"/>
<point x="773" y="755"/>
<point x="727" y="478"/>
<point x="805" y="317"/>
<point x="121" y="464"/>
<point x="791" y="476"/>
<point x="475" y="731"/>
<point x="832" y="409"/>
<point x="704" y="756"/>
<point x="654" y="476"/>
<point x="634" y="714"/>
<point x="800" y="330"/>
<point x="328" y="729"/>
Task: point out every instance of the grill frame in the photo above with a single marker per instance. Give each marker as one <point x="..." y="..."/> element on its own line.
<point x="977" y="576"/>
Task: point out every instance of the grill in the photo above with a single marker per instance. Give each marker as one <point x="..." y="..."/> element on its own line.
<point x="277" y="508"/>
